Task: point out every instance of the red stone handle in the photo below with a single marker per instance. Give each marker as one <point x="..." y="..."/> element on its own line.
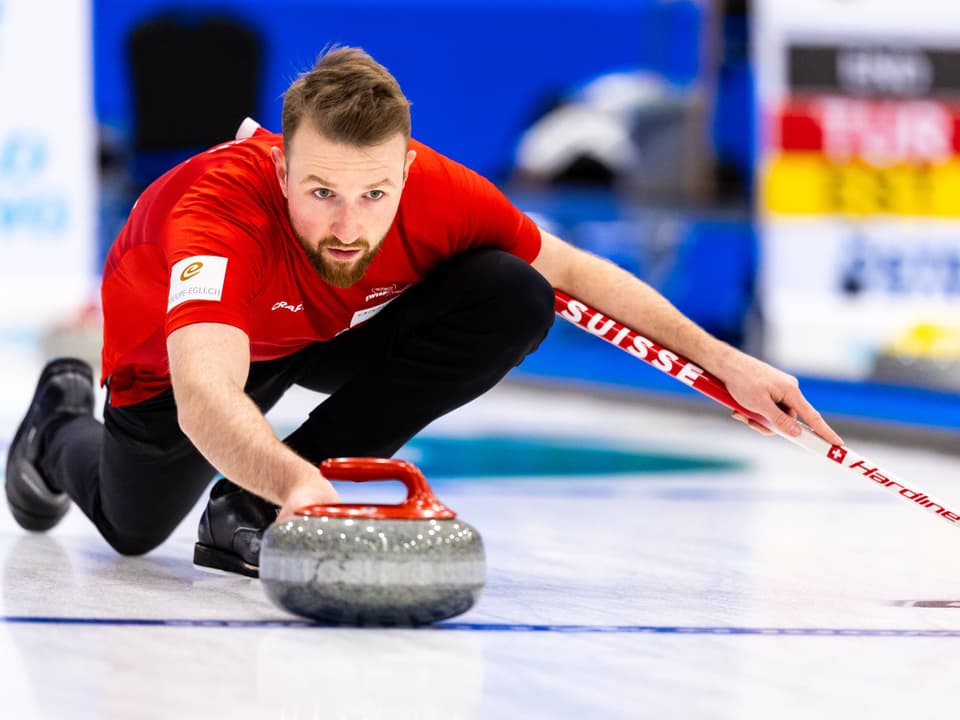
<point x="420" y="504"/>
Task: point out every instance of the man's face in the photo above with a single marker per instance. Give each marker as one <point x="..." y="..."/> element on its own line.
<point x="341" y="199"/>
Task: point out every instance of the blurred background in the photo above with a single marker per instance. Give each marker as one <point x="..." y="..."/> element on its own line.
<point x="784" y="171"/>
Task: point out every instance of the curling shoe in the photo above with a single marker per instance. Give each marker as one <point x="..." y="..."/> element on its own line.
<point x="231" y="529"/>
<point x="64" y="391"/>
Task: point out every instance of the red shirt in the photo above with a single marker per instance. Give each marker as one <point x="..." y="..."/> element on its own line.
<point x="210" y="241"/>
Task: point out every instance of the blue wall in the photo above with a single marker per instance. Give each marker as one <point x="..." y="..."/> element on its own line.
<point x="477" y="72"/>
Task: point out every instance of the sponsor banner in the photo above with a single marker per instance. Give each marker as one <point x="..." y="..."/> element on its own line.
<point x="841" y="298"/>
<point x="904" y="262"/>
<point x="809" y="183"/>
<point x="47" y="154"/>
<point x="779" y="25"/>
<point x="880" y="133"/>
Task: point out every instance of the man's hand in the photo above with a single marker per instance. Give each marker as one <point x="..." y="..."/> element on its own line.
<point x="209" y="363"/>
<point x="773" y="394"/>
<point x="311" y="491"/>
<point x="618" y="294"/>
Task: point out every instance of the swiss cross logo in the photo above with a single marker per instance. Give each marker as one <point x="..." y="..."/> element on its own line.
<point x="837" y="454"/>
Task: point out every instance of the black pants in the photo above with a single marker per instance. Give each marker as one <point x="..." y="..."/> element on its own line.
<point x="442" y="343"/>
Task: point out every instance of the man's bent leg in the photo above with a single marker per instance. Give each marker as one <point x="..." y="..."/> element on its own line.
<point x="136" y="476"/>
<point x="441" y="344"/>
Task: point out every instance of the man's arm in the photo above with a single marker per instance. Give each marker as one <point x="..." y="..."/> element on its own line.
<point x="613" y="291"/>
<point x="209" y="363"/>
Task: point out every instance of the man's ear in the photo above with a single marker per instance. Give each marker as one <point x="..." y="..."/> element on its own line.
<point x="411" y="156"/>
<point x="280" y="167"/>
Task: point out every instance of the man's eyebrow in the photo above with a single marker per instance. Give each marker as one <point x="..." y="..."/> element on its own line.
<point x="317" y="180"/>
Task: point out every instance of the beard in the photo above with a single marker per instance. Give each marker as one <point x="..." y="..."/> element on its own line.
<point x="340" y="274"/>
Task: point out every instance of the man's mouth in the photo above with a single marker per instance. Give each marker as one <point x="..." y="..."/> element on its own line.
<point x="348" y="253"/>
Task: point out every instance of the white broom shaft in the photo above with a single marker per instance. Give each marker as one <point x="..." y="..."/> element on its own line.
<point x="585" y="317"/>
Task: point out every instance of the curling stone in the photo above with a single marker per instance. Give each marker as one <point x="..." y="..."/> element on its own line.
<point x="409" y="564"/>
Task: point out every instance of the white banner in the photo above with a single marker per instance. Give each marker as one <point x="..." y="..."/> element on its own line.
<point x="47" y="160"/>
<point x="844" y="299"/>
<point x="858" y="177"/>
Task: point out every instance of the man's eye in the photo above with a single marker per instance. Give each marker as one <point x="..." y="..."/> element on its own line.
<point x="322" y="193"/>
<point x="375" y="194"/>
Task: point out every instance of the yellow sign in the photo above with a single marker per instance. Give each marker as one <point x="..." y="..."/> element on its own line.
<point x="927" y="340"/>
<point x="811" y="184"/>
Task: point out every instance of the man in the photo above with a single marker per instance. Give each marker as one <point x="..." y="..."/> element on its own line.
<point x="343" y="257"/>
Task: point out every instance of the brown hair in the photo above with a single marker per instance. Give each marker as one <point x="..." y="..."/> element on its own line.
<point x="349" y="98"/>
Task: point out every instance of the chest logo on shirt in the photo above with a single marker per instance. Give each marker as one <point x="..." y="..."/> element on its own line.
<point x="385" y="291"/>
<point x="197" y="278"/>
<point x="283" y="304"/>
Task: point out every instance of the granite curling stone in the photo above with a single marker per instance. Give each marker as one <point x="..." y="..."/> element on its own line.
<point x="409" y="564"/>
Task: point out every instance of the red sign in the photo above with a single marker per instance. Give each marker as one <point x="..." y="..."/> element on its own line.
<point x="880" y="132"/>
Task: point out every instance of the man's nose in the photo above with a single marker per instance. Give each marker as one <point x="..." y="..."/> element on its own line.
<point x="346" y="225"/>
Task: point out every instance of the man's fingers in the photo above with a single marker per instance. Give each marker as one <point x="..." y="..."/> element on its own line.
<point x="785" y="423"/>
<point x="811" y="417"/>
<point x="762" y="429"/>
<point x="776" y="397"/>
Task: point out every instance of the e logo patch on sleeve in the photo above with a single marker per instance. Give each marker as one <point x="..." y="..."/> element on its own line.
<point x="197" y="278"/>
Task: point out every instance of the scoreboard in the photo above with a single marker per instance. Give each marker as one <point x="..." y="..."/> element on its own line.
<point x="858" y="187"/>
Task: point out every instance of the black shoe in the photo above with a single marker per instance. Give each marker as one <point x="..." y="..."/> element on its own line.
<point x="65" y="390"/>
<point x="231" y="529"/>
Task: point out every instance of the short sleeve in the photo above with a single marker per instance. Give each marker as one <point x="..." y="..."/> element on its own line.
<point x="473" y="210"/>
<point x="215" y="256"/>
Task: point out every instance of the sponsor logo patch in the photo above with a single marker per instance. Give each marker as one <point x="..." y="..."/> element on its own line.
<point x="197" y="278"/>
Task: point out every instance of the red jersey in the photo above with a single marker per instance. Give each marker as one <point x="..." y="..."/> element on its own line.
<point x="211" y="241"/>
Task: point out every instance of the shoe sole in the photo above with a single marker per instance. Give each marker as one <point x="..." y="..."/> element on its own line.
<point x="23" y="480"/>
<point x="32" y="521"/>
<point x="26" y="474"/>
<point x="206" y="557"/>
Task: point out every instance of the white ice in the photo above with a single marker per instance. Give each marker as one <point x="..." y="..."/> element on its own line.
<point x="784" y="590"/>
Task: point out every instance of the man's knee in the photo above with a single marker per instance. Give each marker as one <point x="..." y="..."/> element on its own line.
<point x="128" y="539"/>
<point x="521" y="301"/>
<point x="534" y="299"/>
<point x="132" y="545"/>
